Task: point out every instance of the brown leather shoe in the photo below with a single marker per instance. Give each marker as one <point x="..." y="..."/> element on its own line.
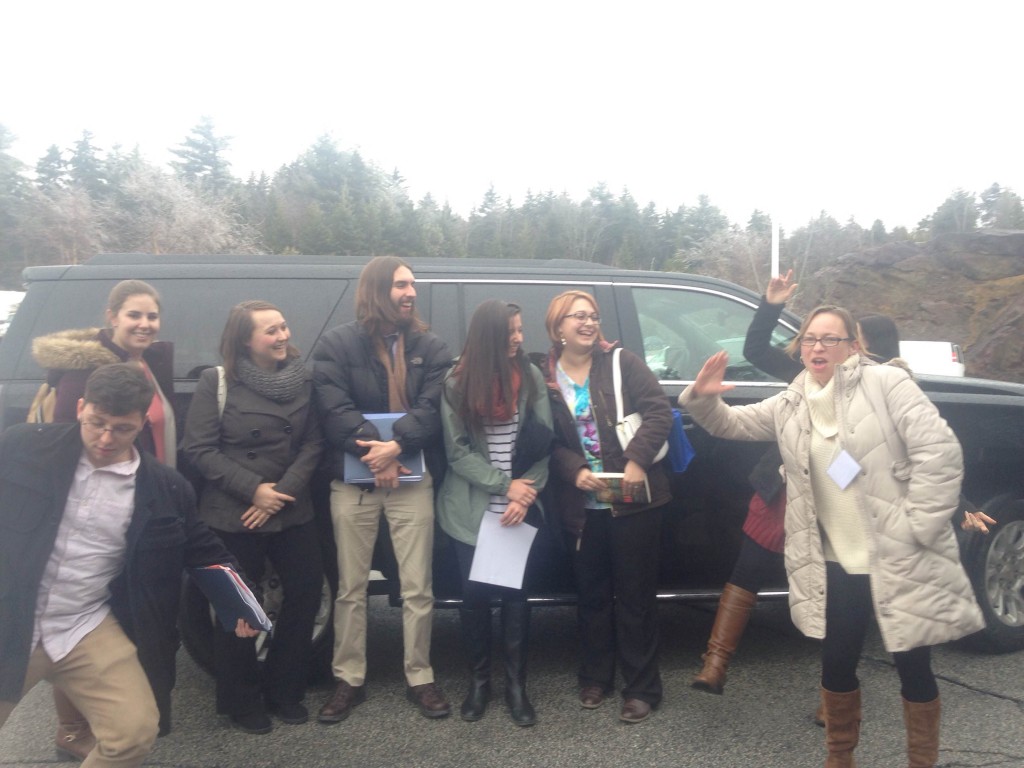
<point x="430" y="700"/>
<point x="634" y="711"/>
<point x="592" y="697"/>
<point x="341" y="703"/>
<point x="74" y="740"/>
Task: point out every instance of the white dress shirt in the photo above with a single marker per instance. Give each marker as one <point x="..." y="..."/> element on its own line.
<point x="87" y="555"/>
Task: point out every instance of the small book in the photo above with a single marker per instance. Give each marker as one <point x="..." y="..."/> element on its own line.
<point x="357" y="472"/>
<point x="614" y="493"/>
<point x="230" y="597"/>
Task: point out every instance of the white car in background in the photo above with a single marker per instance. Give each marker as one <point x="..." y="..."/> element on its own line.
<point x="937" y="358"/>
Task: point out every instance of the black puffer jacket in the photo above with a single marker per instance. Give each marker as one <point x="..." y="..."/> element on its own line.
<point x="349" y="381"/>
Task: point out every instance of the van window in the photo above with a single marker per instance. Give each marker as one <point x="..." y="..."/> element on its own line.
<point x="194" y="312"/>
<point x="683" y="327"/>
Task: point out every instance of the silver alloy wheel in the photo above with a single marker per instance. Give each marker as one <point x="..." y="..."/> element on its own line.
<point x="1004" y="574"/>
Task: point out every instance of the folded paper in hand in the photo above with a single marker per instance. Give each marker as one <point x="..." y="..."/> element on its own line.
<point x="230" y="597"/>
<point x="357" y="472"/>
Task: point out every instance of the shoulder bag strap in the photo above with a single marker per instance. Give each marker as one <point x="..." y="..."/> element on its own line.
<point x="222" y="391"/>
<point x="617" y="384"/>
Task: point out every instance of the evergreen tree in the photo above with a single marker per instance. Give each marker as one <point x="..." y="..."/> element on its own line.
<point x="959" y="213"/>
<point x="51" y="170"/>
<point x="201" y="159"/>
<point x="760" y="223"/>
<point x="1001" y="208"/>
<point x="87" y="169"/>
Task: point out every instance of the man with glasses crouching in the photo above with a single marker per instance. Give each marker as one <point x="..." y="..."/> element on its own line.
<point x="94" y="535"/>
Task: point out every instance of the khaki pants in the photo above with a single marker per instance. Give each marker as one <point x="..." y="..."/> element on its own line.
<point x="409" y="510"/>
<point x="103" y="678"/>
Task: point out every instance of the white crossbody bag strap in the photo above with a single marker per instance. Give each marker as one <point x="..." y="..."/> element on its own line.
<point x="617" y="385"/>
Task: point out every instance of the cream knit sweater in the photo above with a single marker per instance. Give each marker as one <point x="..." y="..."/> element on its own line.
<point x="843" y="535"/>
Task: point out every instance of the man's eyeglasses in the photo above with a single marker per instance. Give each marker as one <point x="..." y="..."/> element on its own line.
<point x="582" y="317"/>
<point x="118" y="430"/>
<point x="826" y="341"/>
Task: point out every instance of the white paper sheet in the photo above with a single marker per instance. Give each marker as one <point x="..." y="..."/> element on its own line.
<point x="844" y="469"/>
<point x="501" y="552"/>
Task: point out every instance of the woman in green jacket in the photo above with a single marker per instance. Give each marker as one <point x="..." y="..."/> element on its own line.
<point x="497" y="434"/>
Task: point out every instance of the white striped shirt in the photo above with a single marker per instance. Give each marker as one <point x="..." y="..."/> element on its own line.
<point x="501" y="446"/>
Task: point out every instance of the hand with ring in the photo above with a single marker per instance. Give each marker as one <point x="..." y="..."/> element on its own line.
<point x="514" y="514"/>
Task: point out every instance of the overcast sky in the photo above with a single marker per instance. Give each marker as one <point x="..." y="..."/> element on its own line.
<point x="865" y="109"/>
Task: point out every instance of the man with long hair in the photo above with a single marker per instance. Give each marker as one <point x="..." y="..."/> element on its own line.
<point x="386" y="361"/>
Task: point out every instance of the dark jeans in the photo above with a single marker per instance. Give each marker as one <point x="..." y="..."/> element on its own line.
<point x="295" y="554"/>
<point x="616" y="568"/>
<point x="755" y="566"/>
<point x="848" y="614"/>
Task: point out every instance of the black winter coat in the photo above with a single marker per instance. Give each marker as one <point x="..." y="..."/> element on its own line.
<point x="349" y="381"/>
<point x="37" y="467"/>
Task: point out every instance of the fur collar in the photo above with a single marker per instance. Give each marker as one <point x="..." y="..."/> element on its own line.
<point x="73" y="350"/>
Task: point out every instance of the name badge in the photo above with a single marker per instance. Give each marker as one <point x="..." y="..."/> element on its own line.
<point x="843" y="469"/>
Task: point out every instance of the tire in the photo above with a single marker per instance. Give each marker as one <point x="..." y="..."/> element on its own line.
<point x="995" y="564"/>
<point x="197" y="623"/>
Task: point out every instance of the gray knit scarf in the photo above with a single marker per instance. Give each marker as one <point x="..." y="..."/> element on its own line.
<point x="281" y="386"/>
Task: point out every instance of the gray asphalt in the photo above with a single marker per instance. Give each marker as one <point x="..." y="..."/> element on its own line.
<point x="762" y="720"/>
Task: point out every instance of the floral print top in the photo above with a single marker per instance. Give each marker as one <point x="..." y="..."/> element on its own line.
<point x="577" y="397"/>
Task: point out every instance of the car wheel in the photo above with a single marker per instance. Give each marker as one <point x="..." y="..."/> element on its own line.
<point x="197" y="623"/>
<point x="995" y="563"/>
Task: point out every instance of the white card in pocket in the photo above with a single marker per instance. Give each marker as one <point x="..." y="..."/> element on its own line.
<point x="843" y="469"/>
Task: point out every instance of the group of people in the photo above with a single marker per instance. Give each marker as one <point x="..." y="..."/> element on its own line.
<point x="96" y="526"/>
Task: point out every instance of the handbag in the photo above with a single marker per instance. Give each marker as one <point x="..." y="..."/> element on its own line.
<point x="626" y="426"/>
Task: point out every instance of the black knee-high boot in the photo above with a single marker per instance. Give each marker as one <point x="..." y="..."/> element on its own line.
<point x="476" y="636"/>
<point x="515" y="626"/>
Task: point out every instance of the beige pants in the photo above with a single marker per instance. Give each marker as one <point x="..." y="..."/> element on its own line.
<point x="103" y="678"/>
<point x="409" y="511"/>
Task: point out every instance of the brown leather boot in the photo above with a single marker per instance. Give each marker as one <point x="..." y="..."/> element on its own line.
<point x="922" y="722"/>
<point x="74" y="737"/>
<point x="731" y="619"/>
<point x="842" y="727"/>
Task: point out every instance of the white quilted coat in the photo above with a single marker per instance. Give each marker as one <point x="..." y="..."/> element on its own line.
<point x="921" y="594"/>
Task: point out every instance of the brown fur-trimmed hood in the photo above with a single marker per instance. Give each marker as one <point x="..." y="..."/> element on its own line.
<point x="73" y="350"/>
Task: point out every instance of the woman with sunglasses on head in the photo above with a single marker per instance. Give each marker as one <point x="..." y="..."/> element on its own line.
<point x="873" y="480"/>
<point x="257" y="450"/>
<point x="615" y="546"/>
<point x="69" y="357"/>
<point x="497" y="433"/>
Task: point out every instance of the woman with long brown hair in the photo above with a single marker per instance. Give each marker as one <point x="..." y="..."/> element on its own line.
<point x="497" y="432"/>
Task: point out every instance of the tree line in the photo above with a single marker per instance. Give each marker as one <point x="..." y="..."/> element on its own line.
<point x="82" y="200"/>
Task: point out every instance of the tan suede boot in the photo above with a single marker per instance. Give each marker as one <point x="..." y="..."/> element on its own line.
<point x="842" y="727"/>
<point x="74" y="737"/>
<point x="731" y="619"/>
<point x="922" y="722"/>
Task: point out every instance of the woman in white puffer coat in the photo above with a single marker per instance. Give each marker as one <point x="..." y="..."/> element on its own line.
<point x="873" y="480"/>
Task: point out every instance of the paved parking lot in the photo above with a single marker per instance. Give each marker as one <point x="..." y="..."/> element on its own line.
<point x="762" y="720"/>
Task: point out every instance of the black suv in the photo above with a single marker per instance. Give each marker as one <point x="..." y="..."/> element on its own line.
<point x="674" y="321"/>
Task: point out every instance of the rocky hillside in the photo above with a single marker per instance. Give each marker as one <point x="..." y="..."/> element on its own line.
<point x="967" y="288"/>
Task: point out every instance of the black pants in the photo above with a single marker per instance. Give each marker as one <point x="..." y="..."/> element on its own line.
<point x="848" y="614"/>
<point x="295" y="554"/>
<point x="755" y="566"/>
<point x="616" y="568"/>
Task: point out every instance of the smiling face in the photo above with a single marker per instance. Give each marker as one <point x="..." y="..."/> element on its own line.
<point x="268" y="345"/>
<point x="135" y="325"/>
<point x="820" y="360"/>
<point x="515" y="334"/>
<point x="403" y="293"/>
<point x="580" y="337"/>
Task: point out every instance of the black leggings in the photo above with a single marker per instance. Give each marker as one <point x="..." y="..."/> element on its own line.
<point x="848" y="614"/>
<point x="755" y="566"/>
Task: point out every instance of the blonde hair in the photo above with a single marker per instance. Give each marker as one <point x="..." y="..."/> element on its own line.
<point x="825" y="309"/>
<point x="559" y="308"/>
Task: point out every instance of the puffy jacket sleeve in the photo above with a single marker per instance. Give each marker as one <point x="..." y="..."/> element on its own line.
<point x="934" y="453"/>
<point x="421" y="426"/>
<point x="202" y="443"/>
<point x="755" y="422"/>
